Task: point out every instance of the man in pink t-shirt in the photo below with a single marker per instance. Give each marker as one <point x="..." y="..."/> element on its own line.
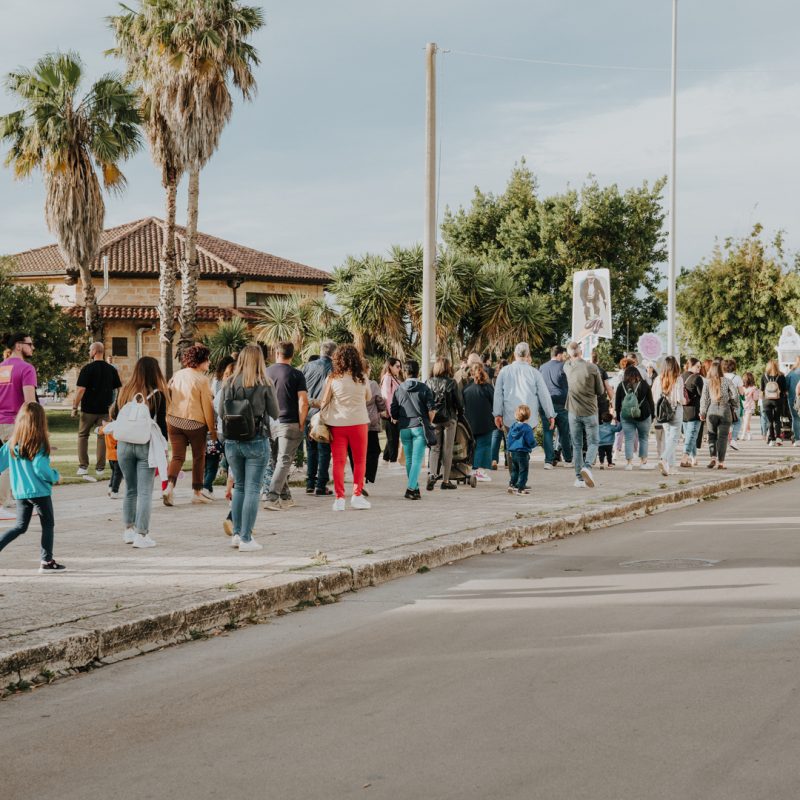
<point x="17" y="386"/>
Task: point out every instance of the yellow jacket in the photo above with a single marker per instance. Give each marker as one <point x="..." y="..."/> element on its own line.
<point x="191" y="398"/>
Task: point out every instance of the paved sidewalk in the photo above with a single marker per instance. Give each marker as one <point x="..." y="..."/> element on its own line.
<point x="108" y="585"/>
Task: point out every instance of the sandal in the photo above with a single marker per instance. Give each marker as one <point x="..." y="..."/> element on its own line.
<point x="711" y="464"/>
<point x="721" y="466"/>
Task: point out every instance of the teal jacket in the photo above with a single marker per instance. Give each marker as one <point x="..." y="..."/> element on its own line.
<point x="29" y="478"/>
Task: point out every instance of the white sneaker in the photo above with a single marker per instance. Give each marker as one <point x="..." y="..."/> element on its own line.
<point x="100" y="472"/>
<point x="113" y="495"/>
<point x="579" y="484"/>
<point x="647" y="466"/>
<point x="770" y="444"/>
<point x="129" y="535"/>
<point x="236" y="540"/>
<point x="482" y="477"/>
<point x="143" y="541"/>
<point x="796" y="444"/>
<point x="245" y="547"/>
<point x="629" y="468"/>
<point x="89" y="478"/>
<point x="587" y="476"/>
<point x="82" y="471"/>
<point x="338" y="504"/>
<point x="358" y="502"/>
<point x="207" y="493"/>
<point x="548" y="465"/>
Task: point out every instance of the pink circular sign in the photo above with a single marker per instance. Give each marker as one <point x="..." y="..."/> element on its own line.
<point x="649" y="345"/>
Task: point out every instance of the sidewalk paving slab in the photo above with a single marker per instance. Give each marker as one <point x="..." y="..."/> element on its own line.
<point x="114" y="601"/>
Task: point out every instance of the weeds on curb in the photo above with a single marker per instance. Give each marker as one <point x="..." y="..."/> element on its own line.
<point x="663" y="486"/>
<point x="423" y="569"/>
<point x="683" y="481"/>
<point x="611" y="498"/>
<point x="195" y="634"/>
<point x="19" y="686"/>
<point x="367" y="552"/>
<point x="231" y="587"/>
<point x="231" y="625"/>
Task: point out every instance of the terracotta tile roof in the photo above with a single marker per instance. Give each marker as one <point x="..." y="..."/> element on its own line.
<point x="133" y="249"/>
<point x="147" y="313"/>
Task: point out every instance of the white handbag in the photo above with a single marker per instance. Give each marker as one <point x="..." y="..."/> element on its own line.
<point x="133" y="422"/>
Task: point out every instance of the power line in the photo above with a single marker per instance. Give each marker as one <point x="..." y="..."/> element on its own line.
<point x="619" y="67"/>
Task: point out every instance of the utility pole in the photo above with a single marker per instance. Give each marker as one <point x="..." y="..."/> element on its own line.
<point x="671" y="272"/>
<point x="429" y="238"/>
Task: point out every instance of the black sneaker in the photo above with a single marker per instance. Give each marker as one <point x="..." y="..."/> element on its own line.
<point x="417" y="495"/>
<point x="448" y="485"/>
<point x="323" y="492"/>
<point x="364" y="492"/>
<point x="310" y="490"/>
<point x="49" y="567"/>
<point x="410" y="494"/>
<point x="430" y="484"/>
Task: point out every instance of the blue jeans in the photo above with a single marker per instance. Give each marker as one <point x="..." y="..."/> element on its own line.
<point x="247" y="461"/>
<point x="690" y="431"/>
<point x="318" y="463"/>
<point x="497" y="437"/>
<point x="482" y="459"/>
<point x="795" y="422"/>
<point x="671" y="433"/>
<point x="564" y="436"/>
<point x="414" y="445"/>
<point x="44" y="505"/>
<point x="630" y="427"/>
<point x="210" y="471"/>
<point x="138" y="501"/>
<point x="589" y="425"/>
<point x="520" y="461"/>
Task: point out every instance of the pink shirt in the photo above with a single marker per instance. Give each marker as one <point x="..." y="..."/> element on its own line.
<point x="14" y="374"/>
<point x="389" y="385"/>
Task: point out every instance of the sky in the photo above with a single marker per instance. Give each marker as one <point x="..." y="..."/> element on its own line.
<point x="328" y="161"/>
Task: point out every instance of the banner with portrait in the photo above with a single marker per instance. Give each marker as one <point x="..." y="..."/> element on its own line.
<point x="591" y="304"/>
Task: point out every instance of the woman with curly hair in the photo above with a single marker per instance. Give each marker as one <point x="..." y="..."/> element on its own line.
<point x="190" y="420"/>
<point x="343" y="408"/>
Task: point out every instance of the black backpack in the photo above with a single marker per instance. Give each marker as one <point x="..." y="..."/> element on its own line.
<point x="440" y="387"/>
<point x="665" y="411"/>
<point x="240" y="421"/>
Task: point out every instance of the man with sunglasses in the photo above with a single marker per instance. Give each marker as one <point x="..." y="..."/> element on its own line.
<point x="17" y="386"/>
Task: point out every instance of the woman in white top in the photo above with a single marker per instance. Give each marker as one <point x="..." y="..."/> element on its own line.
<point x="344" y="411"/>
<point x="669" y="385"/>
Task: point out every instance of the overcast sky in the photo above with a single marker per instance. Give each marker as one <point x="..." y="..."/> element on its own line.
<point x="328" y="160"/>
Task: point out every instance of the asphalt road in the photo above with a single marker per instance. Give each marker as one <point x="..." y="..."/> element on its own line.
<point x="560" y="671"/>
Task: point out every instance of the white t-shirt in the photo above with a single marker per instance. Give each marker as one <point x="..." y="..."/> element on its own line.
<point x="675" y="394"/>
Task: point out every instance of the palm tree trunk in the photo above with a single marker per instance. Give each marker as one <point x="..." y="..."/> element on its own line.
<point x="166" y="278"/>
<point x="94" y="322"/>
<point x="189" y="267"/>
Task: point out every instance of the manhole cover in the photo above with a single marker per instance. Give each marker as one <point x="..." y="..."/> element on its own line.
<point x="671" y="563"/>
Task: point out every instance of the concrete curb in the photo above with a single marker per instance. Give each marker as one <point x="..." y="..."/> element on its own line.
<point x="119" y="635"/>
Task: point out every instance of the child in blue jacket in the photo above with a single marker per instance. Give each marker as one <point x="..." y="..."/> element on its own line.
<point x="608" y="430"/>
<point x="27" y="457"/>
<point x="519" y="443"/>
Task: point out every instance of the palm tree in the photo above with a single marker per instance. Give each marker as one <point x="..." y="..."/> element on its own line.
<point x="282" y="318"/>
<point x="207" y="48"/>
<point x="69" y="140"/>
<point x="138" y="42"/>
<point x="229" y="338"/>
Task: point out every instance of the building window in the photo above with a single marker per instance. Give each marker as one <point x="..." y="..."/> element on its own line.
<point x="119" y="346"/>
<point x="259" y="298"/>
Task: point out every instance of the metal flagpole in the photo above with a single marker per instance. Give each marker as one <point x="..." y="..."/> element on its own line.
<point x="429" y="239"/>
<point x="671" y="344"/>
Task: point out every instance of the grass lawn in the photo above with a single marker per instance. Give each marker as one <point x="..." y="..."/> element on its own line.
<point x="64" y="443"/>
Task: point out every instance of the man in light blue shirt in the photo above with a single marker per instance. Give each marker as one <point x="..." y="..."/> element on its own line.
<point x="521" y="384"/>
<point x="792" y="382"/>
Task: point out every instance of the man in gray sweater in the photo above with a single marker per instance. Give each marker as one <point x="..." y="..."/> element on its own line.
<point x="585" y="388"/>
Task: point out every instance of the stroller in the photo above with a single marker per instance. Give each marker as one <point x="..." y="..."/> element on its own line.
<point x="463" y="451"/>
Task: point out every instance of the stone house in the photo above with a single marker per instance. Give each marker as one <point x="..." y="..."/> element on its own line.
<point x="234" y="281"/>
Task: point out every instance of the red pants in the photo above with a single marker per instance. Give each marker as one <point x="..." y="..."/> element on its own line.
<point x="354" y="437"/>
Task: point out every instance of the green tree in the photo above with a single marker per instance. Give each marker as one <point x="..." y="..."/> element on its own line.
<point x="61" y="340"/>
<point x="736" y="303"/>
<point x="68" y="138"/>
<point x="545" y="241"/>
<point x="229" y="338"/>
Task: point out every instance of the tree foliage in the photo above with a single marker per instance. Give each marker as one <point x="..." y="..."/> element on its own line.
<point x="736" y="303"/>
<point x="60" y="339"/>
<point x="544" y="241"/>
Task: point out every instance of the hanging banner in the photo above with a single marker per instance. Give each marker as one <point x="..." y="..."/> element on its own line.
<point x="591" y="304"/>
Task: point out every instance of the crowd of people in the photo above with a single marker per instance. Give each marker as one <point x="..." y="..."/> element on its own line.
<point x="248" y="420"/>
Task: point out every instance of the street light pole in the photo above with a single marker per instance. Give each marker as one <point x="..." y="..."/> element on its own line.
<point x="429" y="240"/>
<point x="671" y="272"/>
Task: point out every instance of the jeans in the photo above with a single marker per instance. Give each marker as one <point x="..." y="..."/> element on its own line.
<point x="289" y="436"/>
<point x="392" y="449"/>
<point x="671" y="433"/>
<point x="210" y="471"/>
<point x="318" y="463"/>
<point x="520" y="461"/>
<point x="441" y="456"/>
<point x="630" y="427"/>
<point x="414" y="444"/>
<point x="497" y="437"/>
<point x="564" y="440"/>
<point x="44" y="505"/>
<point x="85" y="426"/>
<point x="138" y="500"/>
<point x="690" y="431"/>
<point x="247" y="461"/>
<point x="482" y="458"/>
<point x="578" y="426"/>
<point x="5" y="478"/>
<point x="719" y="425"/>
<point x="116" y="476"/>
<point x="795" y="422"/>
